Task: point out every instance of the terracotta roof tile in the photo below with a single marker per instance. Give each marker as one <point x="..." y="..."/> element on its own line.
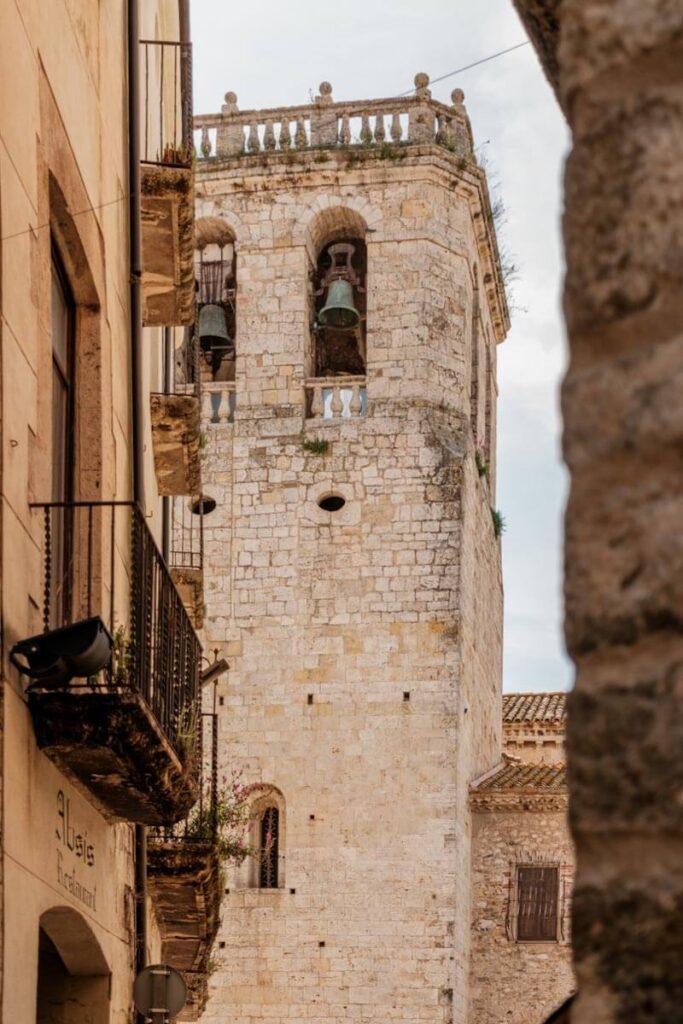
<point x="531" y="777"/>
<point x="534" y="707"/>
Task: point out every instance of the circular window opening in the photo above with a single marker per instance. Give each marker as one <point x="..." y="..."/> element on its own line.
<point x="202" y="506"/>
<point x="332" y="502"/>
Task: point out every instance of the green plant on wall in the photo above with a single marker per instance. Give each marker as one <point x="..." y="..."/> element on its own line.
<point x="498" y="522"/>
<point x="121" y="657"/>
<point x="186" y="734"/>
<point x="228" y="822"/>
<point x="316" y="446"/>
<point x="481" y="463"/>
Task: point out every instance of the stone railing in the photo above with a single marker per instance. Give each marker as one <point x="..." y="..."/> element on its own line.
<point x="411" y="119"/>
<point x="334" y="398"/>
<point x="218" y="402"/>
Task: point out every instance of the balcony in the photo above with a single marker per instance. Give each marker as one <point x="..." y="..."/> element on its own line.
<point x="167" y="183"/>
<point x="184" y="881"/>
<point x="187" y="554"/>
<point x="175" y="416"/>
<point x="125" y="730"/>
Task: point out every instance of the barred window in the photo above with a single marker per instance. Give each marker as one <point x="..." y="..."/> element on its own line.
<point x="269" y="848"/>
<point x="537" y="907"/>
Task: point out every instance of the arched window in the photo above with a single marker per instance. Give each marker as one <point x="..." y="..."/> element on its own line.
<point x="216" y="278"/>
<point x="265" y="868"/>
<point x="269" y="847"/>
<point x="339" y="308"/>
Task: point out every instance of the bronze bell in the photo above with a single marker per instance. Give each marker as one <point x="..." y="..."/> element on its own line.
<point x="339" y="310"/>
<point x="213" y="327"/>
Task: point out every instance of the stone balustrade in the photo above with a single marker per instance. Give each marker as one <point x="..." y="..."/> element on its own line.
<point x="218" y="402"/>
<point x="324" y="123"/>
<point x="332" y="398"/>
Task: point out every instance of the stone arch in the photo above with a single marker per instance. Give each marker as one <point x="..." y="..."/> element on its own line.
<point x="335" y="236"/>
<point x="73" y="981"/>
<point x="75" y="942"/>
<point x="209" y="210"/>
<point x="329" y="218"/>
<point x="212" y="230"/>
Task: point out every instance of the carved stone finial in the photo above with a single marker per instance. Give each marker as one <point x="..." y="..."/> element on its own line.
<point x="421" y="86"/>
<point x="230" y="106"/>
<point x="457" y="97"/>
<point x="325" y="93"/>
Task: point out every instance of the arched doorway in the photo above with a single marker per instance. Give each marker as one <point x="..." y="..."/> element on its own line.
<point x="73" y="974"/>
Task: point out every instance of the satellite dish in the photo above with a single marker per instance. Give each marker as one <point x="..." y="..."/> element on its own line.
<point x="159" y="992"/>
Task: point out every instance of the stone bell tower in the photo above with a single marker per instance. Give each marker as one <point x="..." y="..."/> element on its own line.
<point x="352" y="562"/>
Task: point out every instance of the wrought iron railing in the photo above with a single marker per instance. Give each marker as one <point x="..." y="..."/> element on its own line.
<point x="201" y="824"/>
<point x="187" y="532"/>
<point x="100" y="558"/>
<point x="166" y="77"/>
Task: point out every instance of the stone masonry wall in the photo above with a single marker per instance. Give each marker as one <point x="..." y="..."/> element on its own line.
<point x="361" y="686"/>
<point x="617" y="69"/>
<point x="516" y="982"/>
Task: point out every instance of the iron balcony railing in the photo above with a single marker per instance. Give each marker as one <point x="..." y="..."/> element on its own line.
<point x="166" y="86"/>
<point x="100" y="558"/>
<point x="201" y="824"/>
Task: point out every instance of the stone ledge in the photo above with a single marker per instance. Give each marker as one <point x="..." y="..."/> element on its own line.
<point x="185" y="885"/>
<point x="167" y="214"/>
<point x="175" y="439"/>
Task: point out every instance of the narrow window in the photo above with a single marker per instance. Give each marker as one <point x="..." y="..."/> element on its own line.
<point x="269" y="848"/>
<point x="538" y="890"/>
<point x="62" y="319"/>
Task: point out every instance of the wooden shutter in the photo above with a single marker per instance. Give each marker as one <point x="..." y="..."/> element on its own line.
<point x="538" y="904"/>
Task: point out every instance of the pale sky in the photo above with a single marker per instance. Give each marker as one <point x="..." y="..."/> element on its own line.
<point x="276" y="52"/>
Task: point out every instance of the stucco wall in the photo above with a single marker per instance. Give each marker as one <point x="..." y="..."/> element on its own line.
<point x="63" y="182"/>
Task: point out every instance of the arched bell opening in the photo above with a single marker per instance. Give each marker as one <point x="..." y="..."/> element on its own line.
<point x="339" y="308"/>
<point x="216" y="283"/>
<point x="73" y="974"/>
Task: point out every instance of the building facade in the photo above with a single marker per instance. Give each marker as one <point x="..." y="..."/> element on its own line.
<point x="351" y="302"/>
<point x="523" y="869"/>
<point x="100" y="659"/>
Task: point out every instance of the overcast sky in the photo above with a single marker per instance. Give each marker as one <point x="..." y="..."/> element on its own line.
<point x="276" y="52"/>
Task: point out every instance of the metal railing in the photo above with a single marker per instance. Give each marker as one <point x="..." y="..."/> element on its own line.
<point x="100" y="558"/>
<point x="187" y="533"/>
<point x="166" y="121"/>
<point x="201" y="824"/>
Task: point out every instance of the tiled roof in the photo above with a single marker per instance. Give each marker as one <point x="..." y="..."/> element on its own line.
<point x="534" y="707"/>
<point x="543" y="778"/>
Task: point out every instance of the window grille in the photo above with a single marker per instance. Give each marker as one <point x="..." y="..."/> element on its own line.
<point x="537" y="907"/>
<point x="269" y="848"/>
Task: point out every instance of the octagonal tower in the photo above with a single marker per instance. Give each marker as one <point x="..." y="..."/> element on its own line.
<point x="352" y="563"/>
